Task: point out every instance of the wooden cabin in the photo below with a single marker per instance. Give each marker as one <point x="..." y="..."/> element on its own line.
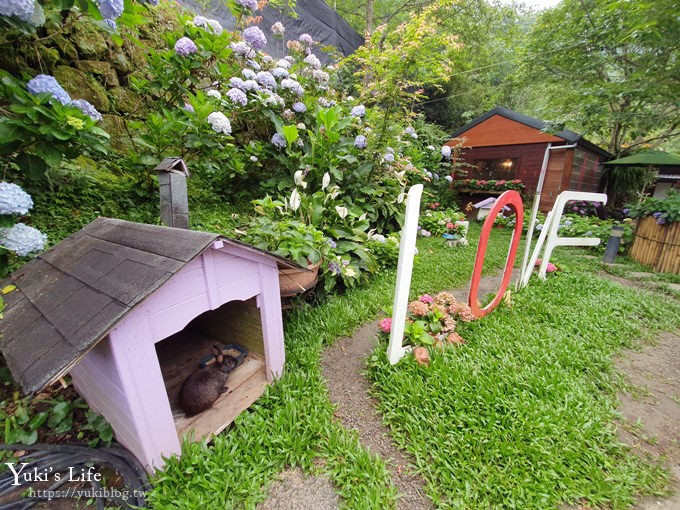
<point x="503" y="144"/>
<point x="129" y="310"/>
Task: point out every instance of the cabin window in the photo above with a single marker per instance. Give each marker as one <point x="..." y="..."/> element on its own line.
<point x="585" y="171"/>
<point x="503" y="168"/>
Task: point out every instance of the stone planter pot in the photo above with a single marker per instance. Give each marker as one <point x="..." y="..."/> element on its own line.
<point x="296" y="281"/>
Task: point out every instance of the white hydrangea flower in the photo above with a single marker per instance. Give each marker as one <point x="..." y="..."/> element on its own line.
<point x="13" y="199"/>
<point x="220" y="123"/>
<point x="214" y="93"/>
<point x="22" y="239"/>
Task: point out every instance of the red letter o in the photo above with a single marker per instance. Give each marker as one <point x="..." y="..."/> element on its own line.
<point x="514" y="201"/>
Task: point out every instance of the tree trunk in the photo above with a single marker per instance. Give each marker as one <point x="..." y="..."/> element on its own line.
<point x="369" y="18"/>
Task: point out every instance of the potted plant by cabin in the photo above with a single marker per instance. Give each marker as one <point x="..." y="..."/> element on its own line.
<point x="295" y="240"/>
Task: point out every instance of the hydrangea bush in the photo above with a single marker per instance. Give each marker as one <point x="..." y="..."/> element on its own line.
<point x="663" y="210"/>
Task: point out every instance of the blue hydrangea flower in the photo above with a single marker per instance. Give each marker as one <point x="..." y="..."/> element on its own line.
<point x="388" y="157"/>
<point x="266" y="79"/>
<point x="111" y="9"/>
<point x="49" y="84"/>
<point x="22" y="239"/>
<point x="22" y="9"/>
<point x="293" y="86"/>
<point x="360" y="142"/>
<point x="446" y="151"/>
<point x="254" y="65"/>
<point x="214" y="93"/>
<point x="299" y="107"/>
<point x="334" y="268"/>
<point x="185" y="47"/>
<point x="255" y="37"/>
<point x="358" y="111"/>
<point x="279" y="141"/>
<point x="284" y="63"/>
<point x="87" y="108"/>
<point x="153" y="3"/>
<point x="389" y="150"/>
<point x="111" y="24"/>
<point x="448" y="178"/>
<point x="313" y="61"/>
<point x="249" y="74"/>
<point x="306" y="39"/>
<point x="248" y="4"/>
<point x="215" y="26"/>
<point x="280" y="72"/>
<point x="188" y="107"/>
<point x="199" y="21"/>
<point x="237" y="96"/>
<point x="332" y="243"/>
<point x="220" y="123"/>
<point x="320" y="76"/>
<point x="13" y="199"/>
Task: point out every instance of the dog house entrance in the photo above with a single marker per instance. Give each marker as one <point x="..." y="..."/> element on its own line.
<point x="235" y="322"/>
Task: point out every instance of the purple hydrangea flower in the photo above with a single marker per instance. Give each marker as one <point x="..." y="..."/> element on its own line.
<point x="153" y="3"/>
<point x="237" y="96"/>
<point x="306" y="39"/>
<point x="243" y="49"/>
<point x="88" y="109"/>
<point x="299" y="107"/>
<point x="313" y="61"/>
<point x="266" y="79"/>
<point x="284" y="63"/>
<point x="360" y="142"/>
<point x="334" y="268"/>
<point x="249" y="74"/>
<point x="111" y="9"/>
<point x="22" y="239"/>
<point x="237" y="83"/>
<point x="199" y="21"/>
<point x="22" y="9"/>
<point x="388" y="157"/>
<point x="279" y="141"/>
<point x="188" y="107"/>
<point x="280" y="73"/>
<point x="293" y="86"/>
<point x="446" y="151"/>
<point x="254" y="65"/>
<point x="214" y="93"/>
<point x="358" y="111"/>
<point x="248" y="4"/>
<point x="111" y="24"/>
<point x="220" y="123"/>
<point x="255" y="37"/>
<point x="251" y="85"/>
<point x="215" y="26"/>
<point x="331" y="242"/>
<point x="185" y="47"/>
<point x="13" y="199"/>
<point x="44" y="83"/>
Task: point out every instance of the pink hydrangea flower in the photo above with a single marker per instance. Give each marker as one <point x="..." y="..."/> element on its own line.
<point x="386" y="325"/>
<point x="427" y="299"/>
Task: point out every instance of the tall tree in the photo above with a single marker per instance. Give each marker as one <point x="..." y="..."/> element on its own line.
<point x="610" y="68"/>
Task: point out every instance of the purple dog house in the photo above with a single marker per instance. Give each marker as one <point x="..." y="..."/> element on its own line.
<point x="129" y="310"/>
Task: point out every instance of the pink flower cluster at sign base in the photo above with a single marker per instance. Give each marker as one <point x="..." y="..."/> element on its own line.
<point x="386" y="325"/>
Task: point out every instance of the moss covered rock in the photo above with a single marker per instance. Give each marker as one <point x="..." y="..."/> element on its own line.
<point x="126" y="101"/>
<point x="81" y="85"/>
<point x="89" y="41"/>
<point x="115" y="127"/>
<point x="103" y="71"/>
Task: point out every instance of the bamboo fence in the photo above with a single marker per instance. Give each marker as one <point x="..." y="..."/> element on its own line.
<point x="657" y="245"/>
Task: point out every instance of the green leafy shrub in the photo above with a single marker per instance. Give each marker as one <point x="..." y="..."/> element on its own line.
<point x="664" y="210"/>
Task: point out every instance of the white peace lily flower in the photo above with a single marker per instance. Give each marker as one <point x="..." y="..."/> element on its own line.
<point x="401" y="174"/>
<point x="298" y="177"/>
<point x="342" y="211"/>
<point x="334" y="192"/>
<point x="295" y="200"/>
<point x="362" y="217"/>
<point x="350" y="272"/>
<point x="326" y="180"/>
<point x="401" y="197"/>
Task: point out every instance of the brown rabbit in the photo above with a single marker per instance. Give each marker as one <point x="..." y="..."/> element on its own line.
<point x="202" y="388"/>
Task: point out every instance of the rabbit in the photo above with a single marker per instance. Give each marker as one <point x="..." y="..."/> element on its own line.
<point x="202" y="388"/>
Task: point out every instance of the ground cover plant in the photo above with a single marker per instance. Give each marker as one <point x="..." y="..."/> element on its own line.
<point x="522" y="415"/>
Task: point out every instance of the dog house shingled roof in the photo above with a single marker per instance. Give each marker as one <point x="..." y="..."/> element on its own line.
<point x="71" y="296"/>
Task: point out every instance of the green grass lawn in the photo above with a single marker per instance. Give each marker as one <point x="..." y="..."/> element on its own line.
<point x="522" y="416"/>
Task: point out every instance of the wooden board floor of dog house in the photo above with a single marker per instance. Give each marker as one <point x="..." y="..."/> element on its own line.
<point x="180" y="356"/>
